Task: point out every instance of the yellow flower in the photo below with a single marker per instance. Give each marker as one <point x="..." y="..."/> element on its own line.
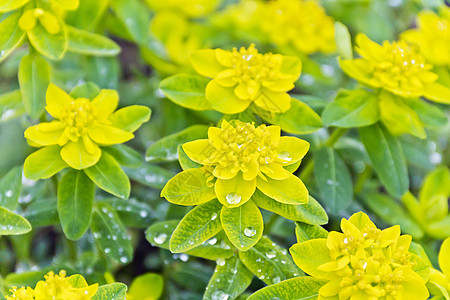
<point x="241" y="77"/>
<point x="366" y="263"/>
<point x="80" y="128"/>
<point x="302" y="24"/>
<point x="57" y="287"/>
<point x="191" y="8"/>
<point x="66" y="4"/>
<point x="397" y="67"/>
<point x="439" y="283"/>
<point x="432" y="36"/>
<point x="243" y="157"/>
<point x="30" y="17"/>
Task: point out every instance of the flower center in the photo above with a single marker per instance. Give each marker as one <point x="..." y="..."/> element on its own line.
<point x="253" y="66"/>
<point x="237" y="146"/>
<point x="78" y="115"/>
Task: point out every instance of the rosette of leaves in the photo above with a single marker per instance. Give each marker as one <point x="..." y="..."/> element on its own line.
<point x="84" y="142"/>
<point x="244" y="167"/>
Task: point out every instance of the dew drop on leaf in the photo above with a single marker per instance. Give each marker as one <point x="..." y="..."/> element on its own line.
<point x="249" y="231"/>
<point x="213" y="216"/>
<point x="271" y="254"/>
<point x="220" y="261"/>
<point x="285" y="156"/>
<point x="233" y="198"/>
<point x="160" y="238"/>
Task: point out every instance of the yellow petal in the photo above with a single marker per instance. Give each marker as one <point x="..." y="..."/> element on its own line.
<point x="225" y="58"/>
<point x="56" y="99"/>
<point x="50" y="23"/>
<point x="250" y="169"/>
<point x="247" y="90"/>
<point x="226" y="78"/>
<point x="234" y="192"/>
<point x="280" y="85"/>
<point x="349" y="228"/>
<point x="389" y="235"/>
<point x="291" y="150"/>
<point x="89" y="145"/>
<point x="27" y="21"/>
<point x="358" y="69"/>
<point x="331" y="288"/>
<point x="224" y="99"/>
<point x="205" y="63"/>
<point x="361" y="220"/>
<point x="291" y="66"/>
<point x="444" y="258"/>
<point x="273" y="101"/>
<point x="108" y="135"/>
<point x="368" y="48"/>
<point x="275" y="171"/>
<point x="44" y="137"/>
<point x="105" y="103"/>
<point x="215" y="135"/>
<point x="275" y="133"/>
<point x="76" y="156"/>
<point x="200" y="151"/>
<point x="414" y="287"/>
<point x="224" y="172"/>
<point x="437" y="92"/>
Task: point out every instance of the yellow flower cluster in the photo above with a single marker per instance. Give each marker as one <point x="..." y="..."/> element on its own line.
<point x="432" y="36"/>
<point x="81" y="126"/>
<point x="397" y="67"/>
<point x="243" y="157"/>
<point x="367" y="263"/>
<point x="56" y="287"/>
<point x="245" y="76"/>
<point x="302" y="24"/>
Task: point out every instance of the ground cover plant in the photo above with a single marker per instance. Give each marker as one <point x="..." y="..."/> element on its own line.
<point x="224" y="149"/>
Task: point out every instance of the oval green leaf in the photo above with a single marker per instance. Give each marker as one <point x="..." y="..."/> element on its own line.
<point x="87" y="43"/>
<point x="12" y="224"/>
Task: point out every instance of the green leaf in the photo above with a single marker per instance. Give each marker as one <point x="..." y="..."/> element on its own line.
<point x="185" y="161"/>
<point x="305" y="232"/>
<point x="288" y="191"/>
<point x="189" y="188"/>
<point x="269" y="262"/>
<point x="166" y="148"/>
<point x="132" y="212"/>
<point x="102" y="70"/>
<point x="108" y="176"/>
<point x="200" y="224"/>
<point x="110" y="234"/>
<point x="440" y="229"/>
<point x="304" y="288"/>
<point x="11" y="106"/>
<point x="10" y="186"/>
<point x="433" y="196"/>
<point x="355" y="108"/>
<point x="131" y="117"/>
<point x="134" y="15"/>
<point x="114" y="291"/>
<point x="44" y="163"/>
<point x="158" y="235"/>
<point x="52" y="46"/>
<point x="12" y="224"/>
<point x="34" y="78"/>
<point x="42" y="212"/>
<point x="430" y="115"/>
<point x="392" y="213"/>
<point x="124" y="155"/>
<point x="75" y="199"/>
<point x="186" y="90"/>
<point x="311" y="213"/>
<point x="11" y="35"/>
<point x="8" y="5"/>
<point x="387" y="158"/>
<point x="398" y="117"/>
<point x="87" y="43"/>
<point x="343" y="40"/>
<point x="243" y="225"/>
<point x="230" y="279"/>
<point x="299" y="119"/>
<point x="309" y="255"/>
<point x="148" y="286"/>
<point x="152" y="176"/>
<point x="333" y="179"/>
<point x="85" y="90"/>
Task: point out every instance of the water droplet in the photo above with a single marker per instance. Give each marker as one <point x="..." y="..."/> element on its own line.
<point x="143" y="214"/>
<point x="212" y="241"/>
<point x="220" y="261"/>
<point x="329" y="181"/>
<point x="160" y="238"/>
<point x="249" y="231"/>
<point x="285" y="156"/>
<point x="184" y="257"/>
<point x="124" y="259"/>
<point x="219" y="295"/>
<point x="276" y="280"/>
<point x="213" y="216"/>
<point x="8" y="193"/>
<point x="271" y="254"/>
<point x="191" y="242"/>
<point x="107" y="250"/>
<point x="233" y="198"/>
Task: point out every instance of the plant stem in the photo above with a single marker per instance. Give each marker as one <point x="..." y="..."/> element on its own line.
<point x="359" y="184"/>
